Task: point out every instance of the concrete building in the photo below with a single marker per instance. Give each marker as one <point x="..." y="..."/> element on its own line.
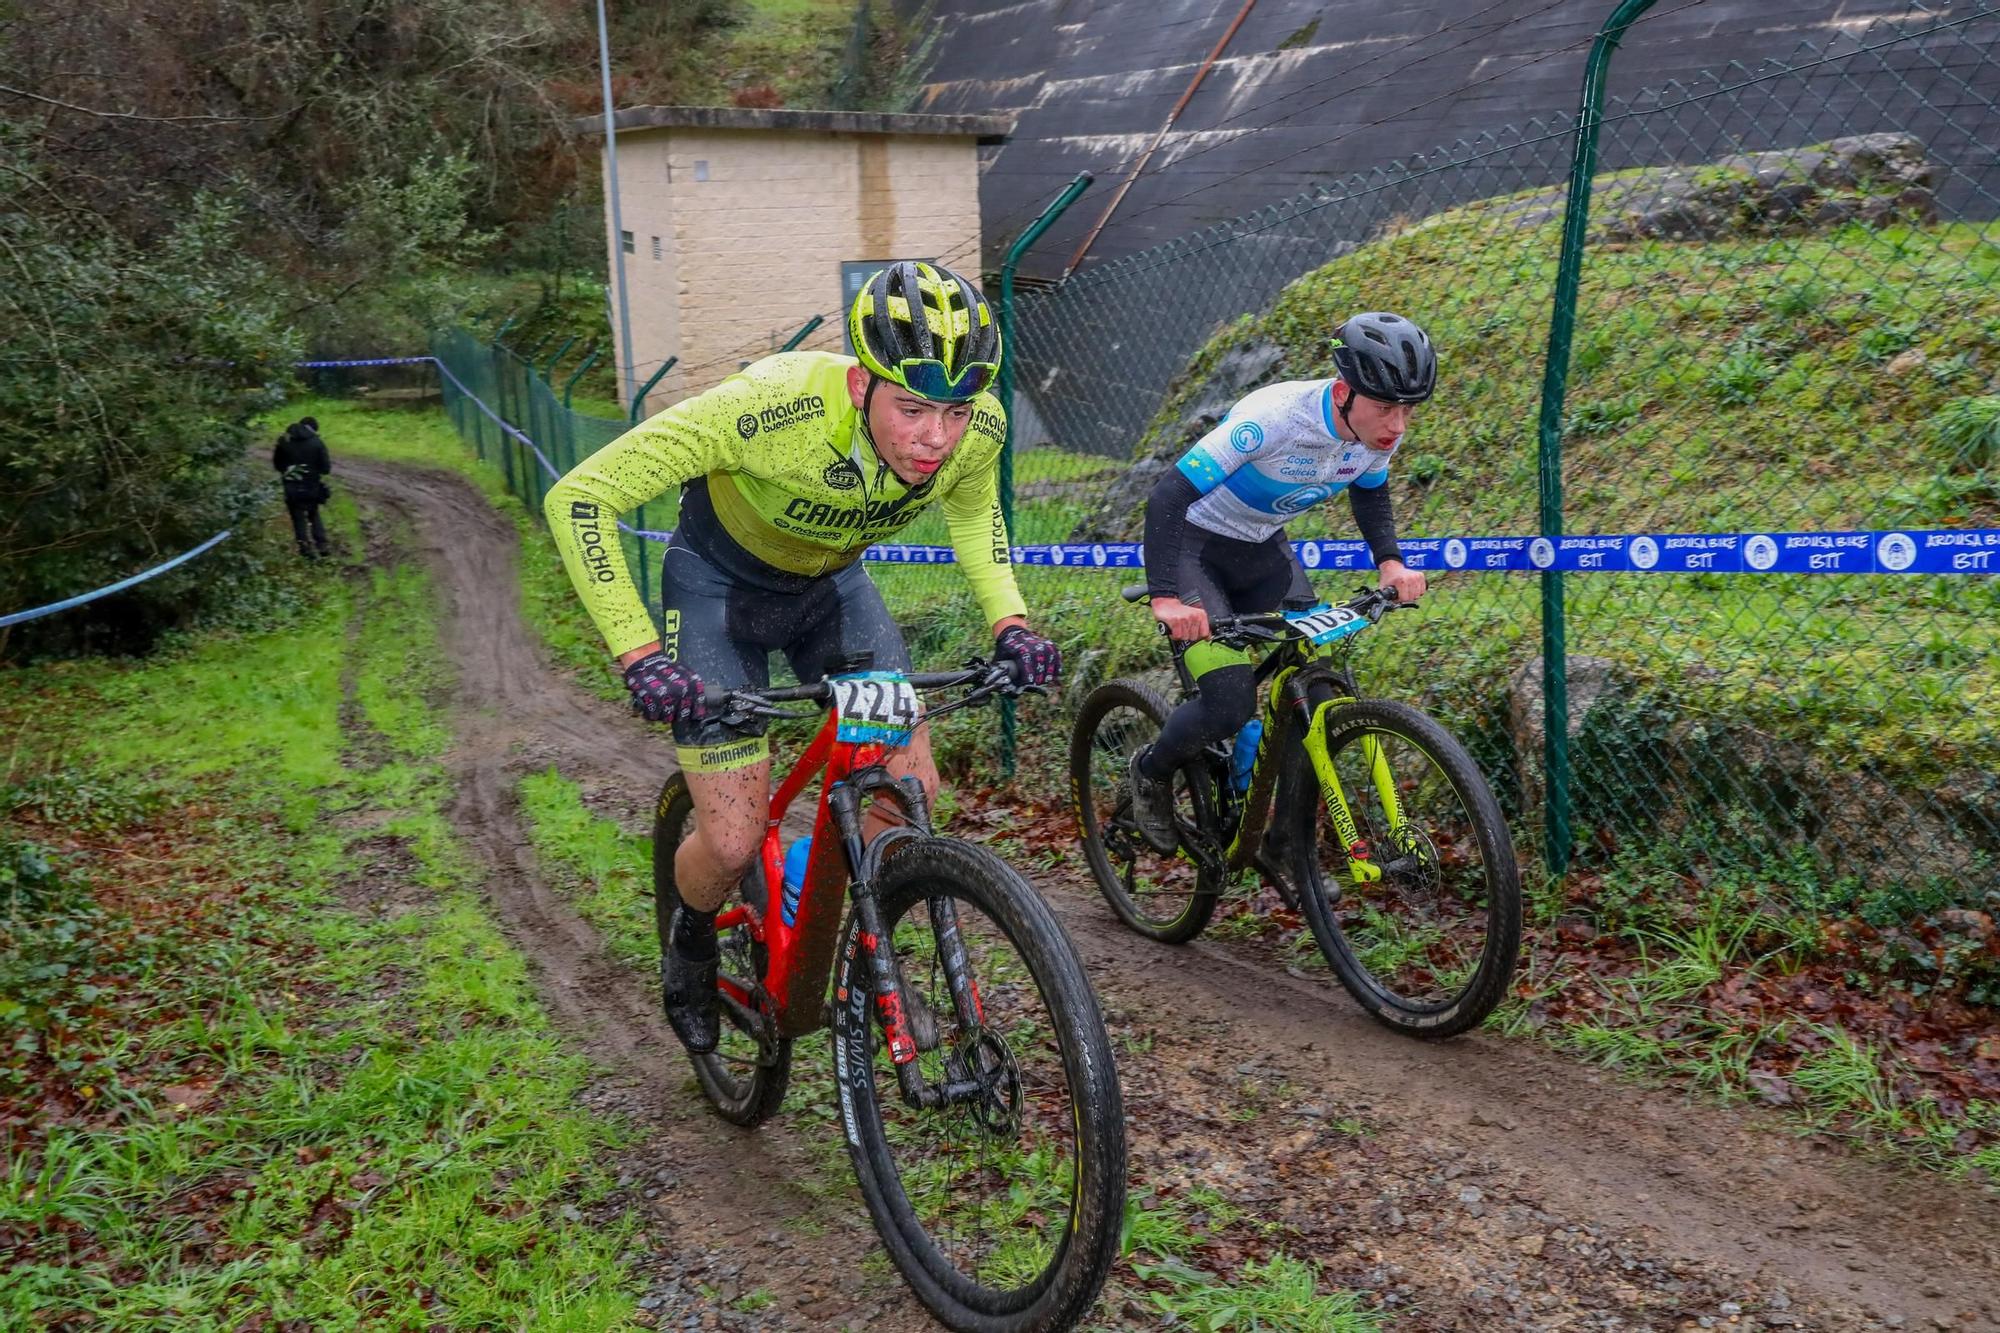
<point x="741" y="224"/>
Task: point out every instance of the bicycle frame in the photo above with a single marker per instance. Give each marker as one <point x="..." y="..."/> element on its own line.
<point x="801" y="952"/>
<point x="1284" y="679"/>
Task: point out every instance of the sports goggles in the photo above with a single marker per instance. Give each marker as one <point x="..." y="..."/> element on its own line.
<point x="928" y="377"/>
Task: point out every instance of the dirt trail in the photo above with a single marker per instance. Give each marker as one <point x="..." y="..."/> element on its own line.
<point x="727" y="1207"/>
<point x="1489" y="1184"/>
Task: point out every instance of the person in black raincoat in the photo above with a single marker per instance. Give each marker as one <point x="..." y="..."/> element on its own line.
<point x="302" y="463"/>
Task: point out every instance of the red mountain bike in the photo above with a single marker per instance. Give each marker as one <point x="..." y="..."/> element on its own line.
<point x="972" y="1066"/>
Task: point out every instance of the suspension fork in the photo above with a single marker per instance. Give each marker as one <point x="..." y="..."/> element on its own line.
<point x="1377" y="758"/>
<point x="844" y="802"/>
<point x="1361" y="864"/>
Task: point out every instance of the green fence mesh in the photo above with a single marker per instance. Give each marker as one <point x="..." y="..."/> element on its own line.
<point x="1786" y="323"/>
<point x="1778" y="338"/>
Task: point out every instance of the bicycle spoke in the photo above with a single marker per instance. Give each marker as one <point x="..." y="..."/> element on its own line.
<point x="990" y="1183"/>
<point x="1158" y="893"/>
<point x="1413" y="904"/>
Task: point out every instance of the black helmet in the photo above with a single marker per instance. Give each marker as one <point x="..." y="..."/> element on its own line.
<point x="1385" y="356"/>
<point x="928" y="329"/>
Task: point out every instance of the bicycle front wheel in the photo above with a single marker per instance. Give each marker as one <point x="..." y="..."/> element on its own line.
<point x="1166" y="898"/>
<point x="1417" y="906"/>
<point x="1003" y="1209"/>
<point x="745" y="1075"/>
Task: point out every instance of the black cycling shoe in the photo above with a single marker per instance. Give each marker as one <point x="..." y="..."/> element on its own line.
<point x="1153" y="810"/>
<point x="687" y="990"/>
<point x="1274" y="862"/>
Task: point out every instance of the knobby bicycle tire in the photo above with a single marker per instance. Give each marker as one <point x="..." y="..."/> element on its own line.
<point x="743" y="1096"/>
<point x="1500" y="947"/>
<point x="1115" y="854"/>
<point x="1068" y="1283"/>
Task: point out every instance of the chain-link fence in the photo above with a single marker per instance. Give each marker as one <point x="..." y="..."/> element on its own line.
<point x="1795" y="334"/>
<point x="1786" y="341"/>
<point x="1784" y="346"/>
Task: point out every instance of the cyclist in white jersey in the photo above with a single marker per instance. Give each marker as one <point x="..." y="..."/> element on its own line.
<point x="1215" y="526"/>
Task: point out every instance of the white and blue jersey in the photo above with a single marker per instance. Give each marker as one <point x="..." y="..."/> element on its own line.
<point x="1275" y="456"/>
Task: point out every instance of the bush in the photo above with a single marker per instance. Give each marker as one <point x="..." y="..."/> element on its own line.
<point x="128" y="380"/>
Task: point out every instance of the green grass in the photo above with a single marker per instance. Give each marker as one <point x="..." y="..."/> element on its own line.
<point x="792" y="46"/>
<point x="609" y="870"/>
<point x="1659" y="1012"/>
<point x="1692" y="408"/>
<point x="285" y="1108"/>
<point x="1278" y="1295"/>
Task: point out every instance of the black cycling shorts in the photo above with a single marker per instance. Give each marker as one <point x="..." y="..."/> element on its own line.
<point x="725" y="629"/>
<point x="1226" y="577"/>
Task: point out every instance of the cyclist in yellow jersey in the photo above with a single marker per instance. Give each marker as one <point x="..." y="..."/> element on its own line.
<point x="788" y="471"/>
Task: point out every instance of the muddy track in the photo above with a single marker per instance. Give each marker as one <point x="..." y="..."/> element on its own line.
<point x="1596" y="1203"/>
<point x="725" y="1205"/>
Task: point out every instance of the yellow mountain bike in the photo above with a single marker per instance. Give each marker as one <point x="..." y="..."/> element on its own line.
<point x="1402" y="866"/>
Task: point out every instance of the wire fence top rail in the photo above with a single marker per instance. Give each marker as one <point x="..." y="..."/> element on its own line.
<point x="84" y="599"/>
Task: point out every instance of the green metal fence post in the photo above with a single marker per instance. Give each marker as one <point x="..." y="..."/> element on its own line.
<point x="1004" y="391"/>
<point x="561" y="352"/>
<point x="639" y="398"/>
<point x="800" y="336"/>
<point x="1557" y="834"/>
<point x="589" y="360"/>
<point x="505" y="374"/>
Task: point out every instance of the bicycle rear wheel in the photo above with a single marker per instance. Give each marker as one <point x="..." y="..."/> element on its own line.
<point x="1003" y="1211"/>
<point x="746" y="1074"/>
<point x="1421" y="918"/>
<point x="1167" y="898"/>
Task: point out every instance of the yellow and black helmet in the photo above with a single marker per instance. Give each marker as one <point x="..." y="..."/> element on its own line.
<point x="928" y="329"/>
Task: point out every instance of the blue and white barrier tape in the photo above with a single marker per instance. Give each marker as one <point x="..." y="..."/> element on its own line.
<point x="38" y="612"/>
<point x="1908" y="551"/>
<point x="1912" y="551"/>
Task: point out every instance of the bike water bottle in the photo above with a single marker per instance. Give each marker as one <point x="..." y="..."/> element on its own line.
<point x="796" y="857"/>
<point x="1244" y="757"/>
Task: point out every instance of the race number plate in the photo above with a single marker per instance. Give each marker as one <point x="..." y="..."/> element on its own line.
<point x="875" y="706"/>
<point x="1324" y="624"/>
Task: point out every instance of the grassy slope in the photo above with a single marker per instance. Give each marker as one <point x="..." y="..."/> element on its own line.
<point x="257" y="1099"/>
<point x="1720" y="386"/>
<point x="1717" y="387"/>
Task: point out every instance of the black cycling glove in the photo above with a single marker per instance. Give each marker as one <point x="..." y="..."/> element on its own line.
<point x="1037" y="660"/>
<point x="663" y="690"/>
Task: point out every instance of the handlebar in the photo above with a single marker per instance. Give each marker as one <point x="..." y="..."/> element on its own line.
<point x="1272" y="627"/>
<point x="987" y="679"/>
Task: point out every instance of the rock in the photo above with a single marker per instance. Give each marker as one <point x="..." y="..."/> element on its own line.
<point x="1246" y="366"/>
<point x="1589" y="680"/>
<point x="1531" y="1245"/>
<point x="1960" y="921"/>
<point x="1877" y="178"/>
